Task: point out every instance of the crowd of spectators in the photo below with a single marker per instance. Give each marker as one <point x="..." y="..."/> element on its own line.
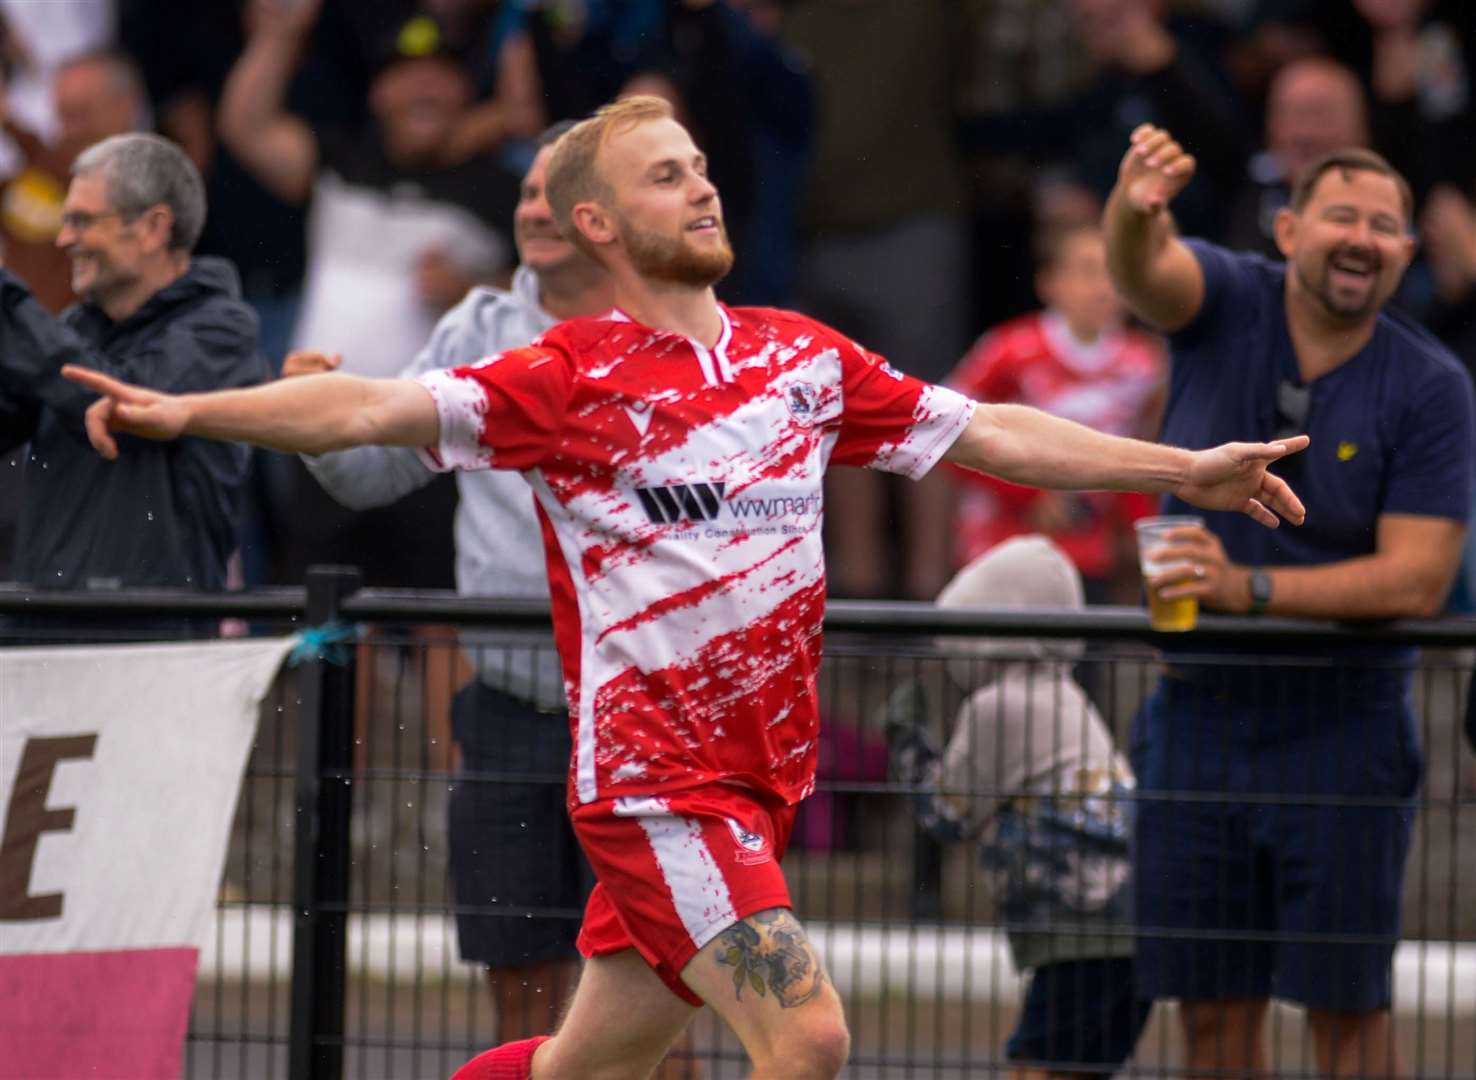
<point x="903" y="169"/>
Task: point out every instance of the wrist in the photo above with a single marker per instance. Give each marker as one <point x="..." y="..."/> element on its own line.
<point x="189" y="413"/>
<point x="1257" y="590"/>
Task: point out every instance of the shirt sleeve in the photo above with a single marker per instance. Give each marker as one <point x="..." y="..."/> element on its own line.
<point x="1435" y="460"/>
<point x="505" y="412"/>
<point x="1229" y="291"/>
<point x="891" y="421"/>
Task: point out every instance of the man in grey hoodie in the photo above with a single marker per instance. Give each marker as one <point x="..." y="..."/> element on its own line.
<point x="1030" y="774"/>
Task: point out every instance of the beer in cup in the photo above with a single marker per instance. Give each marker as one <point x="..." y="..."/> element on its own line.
<point x="1180" y="614"/>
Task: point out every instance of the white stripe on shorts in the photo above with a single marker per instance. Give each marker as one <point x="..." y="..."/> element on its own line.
<point x="698" y="891"/>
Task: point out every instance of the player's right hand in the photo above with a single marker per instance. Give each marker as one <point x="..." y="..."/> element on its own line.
<point x="308" y="362"/>
<point x="1154" y="170"/>
<point x="129" y="409"/>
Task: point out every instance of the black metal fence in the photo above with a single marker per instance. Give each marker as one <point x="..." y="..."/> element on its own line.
<point x="334" y="952"/>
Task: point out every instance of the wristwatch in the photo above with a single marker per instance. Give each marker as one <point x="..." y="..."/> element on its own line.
<point x="1260" y="590"/>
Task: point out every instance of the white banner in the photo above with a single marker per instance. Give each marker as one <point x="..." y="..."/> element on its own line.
<point x="119" y="771"/>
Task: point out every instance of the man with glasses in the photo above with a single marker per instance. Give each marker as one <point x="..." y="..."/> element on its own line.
<point x="150" y="313"/>
<point x="1299" y="823"/>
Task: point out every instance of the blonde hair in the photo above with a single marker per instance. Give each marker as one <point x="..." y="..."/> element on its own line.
<point x="573" y="177"/>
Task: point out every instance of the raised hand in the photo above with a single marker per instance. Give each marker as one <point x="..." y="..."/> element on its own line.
<point x="129" y="409"/>
<point x="286" y="18"/>
<point x="1234" y="477"/>
<point x="1154" y="170"/>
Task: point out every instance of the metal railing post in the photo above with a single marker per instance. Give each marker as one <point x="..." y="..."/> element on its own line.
<point x="321" y="859"/>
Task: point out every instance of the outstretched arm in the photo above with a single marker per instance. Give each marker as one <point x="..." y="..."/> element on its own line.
<point x="1027" y="446"/>
<point x="1151" y="267"/>
<point x="307" y="416"/>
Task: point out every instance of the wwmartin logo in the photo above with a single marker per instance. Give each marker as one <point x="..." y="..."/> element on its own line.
<point x="682" y="502"/>
<point x="783" y="509"/>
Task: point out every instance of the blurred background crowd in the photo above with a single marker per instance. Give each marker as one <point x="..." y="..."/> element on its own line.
<point x="926" y="175"/>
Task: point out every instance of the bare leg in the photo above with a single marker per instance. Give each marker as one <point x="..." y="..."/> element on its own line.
<point x="531" y="1001"/>
<point x="443" y="669"/>
<point x="1225" y="1037"/>
<point x="1355" y="1044"/>
<point x="619" y="1025"/>
<point x="765" y="979"/>
<point x="530" y="998"/>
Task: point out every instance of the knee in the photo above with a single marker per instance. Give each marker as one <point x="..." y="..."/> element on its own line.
<point x="816" y="1050"/>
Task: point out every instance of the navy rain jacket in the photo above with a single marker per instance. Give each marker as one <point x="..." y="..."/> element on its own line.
<point x="163" y="514"/>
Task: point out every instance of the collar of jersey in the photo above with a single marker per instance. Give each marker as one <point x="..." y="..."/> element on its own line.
<point x="716" y="369"/>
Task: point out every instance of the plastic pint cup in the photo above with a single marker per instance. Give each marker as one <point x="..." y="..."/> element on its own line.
<point x="1180" y="614"/>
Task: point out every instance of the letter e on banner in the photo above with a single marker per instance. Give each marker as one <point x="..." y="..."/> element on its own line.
<point x="27" y="817"/>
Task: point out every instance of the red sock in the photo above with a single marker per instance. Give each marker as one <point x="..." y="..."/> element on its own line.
<point x="510" y="1061"/>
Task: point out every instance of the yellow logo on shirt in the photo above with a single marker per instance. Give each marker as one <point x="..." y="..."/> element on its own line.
<point x="1347" y="451"/>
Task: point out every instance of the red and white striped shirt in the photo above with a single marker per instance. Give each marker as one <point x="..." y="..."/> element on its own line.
<point x="679" y="490"/>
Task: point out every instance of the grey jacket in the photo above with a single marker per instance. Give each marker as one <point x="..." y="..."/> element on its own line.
<point x="499" y="546"/>
<point x="163" y="514"/>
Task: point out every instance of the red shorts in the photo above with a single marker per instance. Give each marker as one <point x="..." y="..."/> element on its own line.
<point x="675" y="871"/>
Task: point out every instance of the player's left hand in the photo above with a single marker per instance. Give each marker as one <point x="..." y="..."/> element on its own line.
<point x="129" y="409"/>
<point x="1234" y="477"/>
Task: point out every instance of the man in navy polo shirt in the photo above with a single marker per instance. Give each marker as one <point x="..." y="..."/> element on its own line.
<point x="1280" y="873"/>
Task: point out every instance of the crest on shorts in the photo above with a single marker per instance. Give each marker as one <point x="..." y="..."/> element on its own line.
<point x="801" y="398"/>
<point x="753" y="848"/>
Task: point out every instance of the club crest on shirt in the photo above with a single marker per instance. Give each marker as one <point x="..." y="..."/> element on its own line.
<point x="802" y="399"/>
<point x="753" y="848"/>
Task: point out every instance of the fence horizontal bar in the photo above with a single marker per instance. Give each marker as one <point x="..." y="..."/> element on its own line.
<point x="898" y="617"/>
<point x="288" y="603"/>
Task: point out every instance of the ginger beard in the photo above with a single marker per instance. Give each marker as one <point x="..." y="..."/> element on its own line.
<point x="678" y="260"/>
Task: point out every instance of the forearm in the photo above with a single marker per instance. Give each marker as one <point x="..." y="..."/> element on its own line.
<point x="1030" y="447"/>
<point x="318" y="414"/>
<point x="1136" y="245"/>
<point x="1369" y="587"/>
<point x="254" y="123"/>
<point x="255" y="91"/>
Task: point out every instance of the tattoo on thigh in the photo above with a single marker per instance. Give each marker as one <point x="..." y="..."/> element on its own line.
<point x="770" y="953"/>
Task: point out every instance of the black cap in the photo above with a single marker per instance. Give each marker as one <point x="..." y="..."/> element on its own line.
<point x="419" y="37"/>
